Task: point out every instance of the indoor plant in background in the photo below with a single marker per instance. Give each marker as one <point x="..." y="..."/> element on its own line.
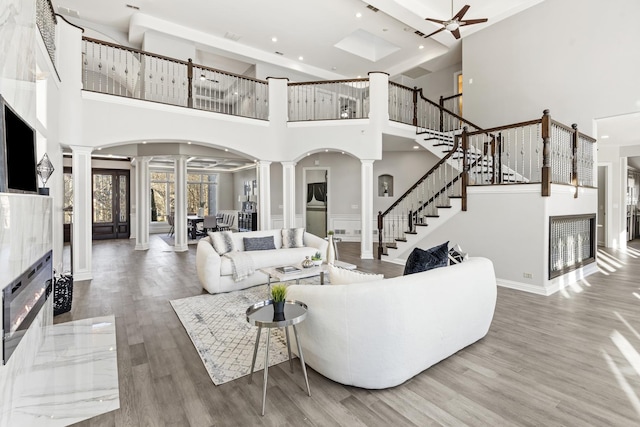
<point x="278" y="295"/>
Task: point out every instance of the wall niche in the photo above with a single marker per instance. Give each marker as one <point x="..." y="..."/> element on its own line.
<point x="385" y="185"/>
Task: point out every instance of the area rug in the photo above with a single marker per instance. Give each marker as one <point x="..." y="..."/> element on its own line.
<point x="219" y="330"/>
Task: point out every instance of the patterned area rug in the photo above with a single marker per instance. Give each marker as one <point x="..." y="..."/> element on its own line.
<point x="219" y="331"/>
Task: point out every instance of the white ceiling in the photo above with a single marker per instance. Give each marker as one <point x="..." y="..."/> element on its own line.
<point x="310" y="29"/>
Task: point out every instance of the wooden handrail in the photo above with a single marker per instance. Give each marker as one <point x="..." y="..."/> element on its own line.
<point x="462" y="119"/>
<point x="498" y="128"/>
<point x="228" y="73"/>
<point x="134" y="50"/>
<point x="402" y="86"/>
<point x="446" y="98"/>
<point x="318" y="82"/>
<point x="414" y="186"/>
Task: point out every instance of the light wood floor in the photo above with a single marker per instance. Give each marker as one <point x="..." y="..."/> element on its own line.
<point x="570" y="359"/>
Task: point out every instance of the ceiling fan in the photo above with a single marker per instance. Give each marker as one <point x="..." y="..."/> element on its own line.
<point x="453" y="25"/>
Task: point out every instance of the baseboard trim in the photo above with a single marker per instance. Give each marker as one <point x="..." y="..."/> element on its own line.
<point x="82" y="276"/>
<point x="519" y="286"/>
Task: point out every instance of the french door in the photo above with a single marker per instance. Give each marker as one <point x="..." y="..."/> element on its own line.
<point x="110" y="204"/>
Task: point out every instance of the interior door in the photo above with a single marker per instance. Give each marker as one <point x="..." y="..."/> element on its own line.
<point x="316" y="200"/>
<point x="110" y="204"/>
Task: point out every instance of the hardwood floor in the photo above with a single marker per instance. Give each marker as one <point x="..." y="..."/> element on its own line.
<point x="570" y="359"/>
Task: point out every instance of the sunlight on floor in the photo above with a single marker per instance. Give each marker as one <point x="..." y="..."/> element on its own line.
<point x="627" y="350"/>
<point x="633" y="252"/>
<point x="624" y="384"/>
<point x="610" y="259"/>
<point x="631" y="328"/>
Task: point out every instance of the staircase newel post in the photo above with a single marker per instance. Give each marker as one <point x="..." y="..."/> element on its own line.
<point x="441" y="113"/>
<point x="465" y="168"/>
<point x="380" y="249"/>
<point x="546" y="154"/>
<point x="415" y="105"/>
<point x="574" y="166"/>
<point x="190" y="83"/>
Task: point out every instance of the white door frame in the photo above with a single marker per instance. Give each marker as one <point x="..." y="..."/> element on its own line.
<point x="608" y="203"/>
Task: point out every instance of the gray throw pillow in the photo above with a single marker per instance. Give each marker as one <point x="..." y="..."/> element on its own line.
<point x="222" y="242"/>
<point x="293" y="238"/>
<point x="258" y="243"/>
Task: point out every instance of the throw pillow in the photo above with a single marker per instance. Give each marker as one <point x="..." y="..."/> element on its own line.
<point x="456" y="256"/>
<point x="258" y="243"/>
<point x="342" y="276"/>
<point x="420" y="260"/>
<point x="222" y="242"/>
<point x="292" y="238"/>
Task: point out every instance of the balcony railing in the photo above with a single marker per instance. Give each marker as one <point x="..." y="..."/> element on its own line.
<point x="46" y="21"/>
<point x="402" y="102"/>
<point x="117" y="70"/>
<point x="329" y="100"/>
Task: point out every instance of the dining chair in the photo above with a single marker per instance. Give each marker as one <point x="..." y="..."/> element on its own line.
<point x="210" y="223"/>
<point x="170" y="221"/>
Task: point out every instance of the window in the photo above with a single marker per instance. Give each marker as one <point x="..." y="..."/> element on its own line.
<point x="68" y="194"/>
<point x="201" y="192"/>
<point x="162" y="195"/>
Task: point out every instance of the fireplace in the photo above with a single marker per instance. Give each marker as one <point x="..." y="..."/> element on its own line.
<point x="22" y="300"/>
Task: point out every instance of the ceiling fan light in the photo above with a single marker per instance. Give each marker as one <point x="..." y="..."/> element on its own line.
<point x="451" y="25"/>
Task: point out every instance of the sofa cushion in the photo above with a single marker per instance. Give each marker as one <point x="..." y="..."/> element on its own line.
<point x="270" y="258"/>
<point x="258" y="243"/>
<point x="422" y="260"/>
<point x="456" y="256"/>
<point x="342" y="276"/>
<point x="222" y="242"/>
<point x="292" y="237"/>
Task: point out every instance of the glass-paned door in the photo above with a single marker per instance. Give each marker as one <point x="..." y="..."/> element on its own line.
<point x="110" y="204"/>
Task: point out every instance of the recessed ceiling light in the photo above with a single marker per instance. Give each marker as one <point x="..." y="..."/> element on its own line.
<point x="333" y="68"/>
<point x="189" y="142"/>
<point x="358" y="15"/>
<point x="326" y="150"/>
<point x="99" y="148"/>
<point x="343" y="152"/>
<point x="274" y="39"/>
<point x="415" y="147"/>
<point x="604" y="137"/>
<point x="359" y="77"/>
<point x="144" y="142"/>
<point x="421" y="47"/>
<point x="226" y="149"/>
<point x="301" y="58"/>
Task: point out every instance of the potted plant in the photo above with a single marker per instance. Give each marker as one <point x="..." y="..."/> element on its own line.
<point x="201" y="209"/>
<point x="278" y="295"/>
<point x="317" y="259"/>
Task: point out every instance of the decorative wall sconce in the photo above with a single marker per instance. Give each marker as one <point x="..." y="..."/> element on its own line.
<point x="44" y="168"/>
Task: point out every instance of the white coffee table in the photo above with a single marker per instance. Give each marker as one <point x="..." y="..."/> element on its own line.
<point x="302" y="273"/>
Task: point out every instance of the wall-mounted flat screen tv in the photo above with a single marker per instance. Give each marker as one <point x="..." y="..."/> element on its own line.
<point x="17" y="152"/>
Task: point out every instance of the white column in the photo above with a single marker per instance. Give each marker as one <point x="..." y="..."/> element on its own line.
<point x="366" y="189"/>
<point x="289" y="194"/>
<point x="180" y="220"/>
<point x="82" y="212"/>
<point x="143" y="203"/>
<point x="264" y="195"/>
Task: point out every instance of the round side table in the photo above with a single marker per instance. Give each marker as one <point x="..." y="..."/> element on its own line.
<point x="261" y="315"/>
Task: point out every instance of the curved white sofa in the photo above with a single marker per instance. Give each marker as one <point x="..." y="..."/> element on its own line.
<point x="215" y="272"/>
<point x="380" y="334"/>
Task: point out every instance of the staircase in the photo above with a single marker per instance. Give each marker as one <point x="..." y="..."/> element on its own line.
<point x="537" y="151"/>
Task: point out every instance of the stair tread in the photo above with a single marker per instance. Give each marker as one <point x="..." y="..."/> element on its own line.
<point x="443" y="207"/>
<point x="410" y="232"/>
<point x="401" y="240"/>
<point x="421" y="225"/>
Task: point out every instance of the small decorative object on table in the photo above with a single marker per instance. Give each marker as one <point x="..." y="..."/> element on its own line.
<point x="317" y="259"/>
<point x="307" y="263"/>
<point x="331" y="251"/>
<point x="278" y="295"/>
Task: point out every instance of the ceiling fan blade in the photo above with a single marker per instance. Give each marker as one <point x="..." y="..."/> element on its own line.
<point x="456" y="33"/>
<point x="461" y="13"/>
<point x="435" y="32"/>
<point x="473" y="21"/>
<point x="437" y="21"/>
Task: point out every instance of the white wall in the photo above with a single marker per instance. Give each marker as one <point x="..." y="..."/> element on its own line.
<point x="439" y="83"/>
<point x="570" y="56"/>
<point x="509" y="224"/>
<point x="172" y="47"/>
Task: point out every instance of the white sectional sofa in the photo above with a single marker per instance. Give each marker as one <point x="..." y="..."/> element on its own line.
<point x="381" y="333"/>
<point x="215" y="271"/>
